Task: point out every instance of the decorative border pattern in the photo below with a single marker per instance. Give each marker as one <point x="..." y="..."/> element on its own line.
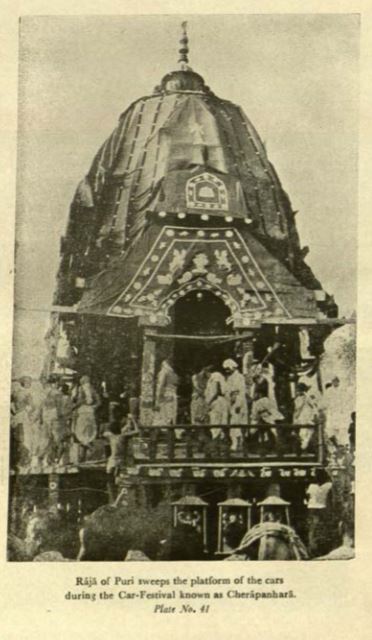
<point x="185" y="259"/>
<point x="217" y="201"/>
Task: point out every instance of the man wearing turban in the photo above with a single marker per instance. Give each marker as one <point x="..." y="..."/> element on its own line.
<point x="236" y="397"/>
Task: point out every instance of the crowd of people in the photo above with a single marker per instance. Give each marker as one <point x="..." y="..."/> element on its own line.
<point x="226" y="396"/>
<point x="50" y="420"/>
<point x="58" y="422"/>
<point x="47" y="419"/>
<point x="55" y="423"/>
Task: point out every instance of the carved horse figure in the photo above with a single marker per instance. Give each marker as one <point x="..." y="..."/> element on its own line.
<point x="270" y="541"/>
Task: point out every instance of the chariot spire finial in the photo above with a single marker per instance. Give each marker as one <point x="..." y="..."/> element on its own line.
<point x="184" y="48"/>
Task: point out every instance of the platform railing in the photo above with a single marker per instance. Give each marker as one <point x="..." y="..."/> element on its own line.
<point x="282" y="443"/>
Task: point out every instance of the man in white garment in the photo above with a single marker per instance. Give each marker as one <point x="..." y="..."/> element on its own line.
<point x="265" y="412"/>
<point x="306" y="412"/>
<point x="336" y="410"/>
<point x="166" y="400"/>
<point x="317" y="501"/>
<point x="215" y="397"/>
<point x="236" y="396"/>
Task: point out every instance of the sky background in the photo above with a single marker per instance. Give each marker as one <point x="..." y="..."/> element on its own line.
<point x="295" y="76"/>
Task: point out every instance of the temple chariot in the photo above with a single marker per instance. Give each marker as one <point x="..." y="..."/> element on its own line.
<point x="184" y="295"/>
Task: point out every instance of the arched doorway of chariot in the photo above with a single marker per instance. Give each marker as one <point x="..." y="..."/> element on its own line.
<point x="203" y="336"/>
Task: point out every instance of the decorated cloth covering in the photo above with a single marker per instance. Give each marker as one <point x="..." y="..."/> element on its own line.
<point x="162" y="135"/>
<point x="168" y="261"/>
<point x="275" y="529"/>
<point x="179" y="152"/>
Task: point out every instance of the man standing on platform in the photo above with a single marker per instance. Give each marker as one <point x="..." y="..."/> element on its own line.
<point x="85" y="425"/>
<point x="265" y="414"/>
<point x="51" y="417"/>
<point x="199" y="405"/>
<point x="216" y="400"/>
<point x="305" y="413"/>
<point x="236" y="397"/>
<point x="166" y="396"/>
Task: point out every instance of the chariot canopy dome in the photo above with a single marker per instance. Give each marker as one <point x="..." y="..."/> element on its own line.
<point x="180" y="154"/>
<point x="163" y="140"/>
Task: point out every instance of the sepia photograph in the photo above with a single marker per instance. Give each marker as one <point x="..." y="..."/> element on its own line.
<point x="184" y="345"/>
